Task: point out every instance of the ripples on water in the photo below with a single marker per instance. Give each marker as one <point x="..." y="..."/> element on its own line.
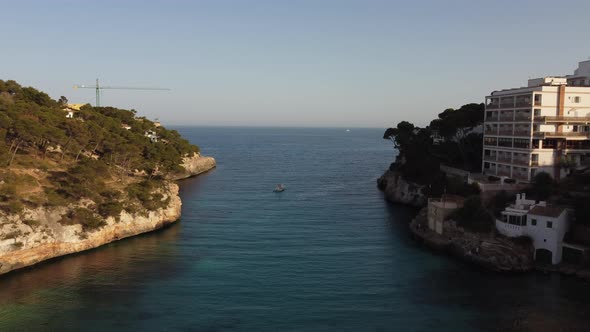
<point x="328" y="254"/>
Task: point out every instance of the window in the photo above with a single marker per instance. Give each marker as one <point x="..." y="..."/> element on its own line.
<point x="537" y="112"/>
<point x="549" y="224"/>
<point x="534" y="222"/>
<point x="576" y="99"/>
<point x="523" y="220"/>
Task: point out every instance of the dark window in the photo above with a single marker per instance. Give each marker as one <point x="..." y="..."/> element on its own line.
<point x="534" y="222"/>
<point x="523" y="220"/>
<point x="549" y="224"/>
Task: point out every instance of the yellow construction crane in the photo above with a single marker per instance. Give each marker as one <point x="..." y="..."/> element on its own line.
<point x="97" y="87"/>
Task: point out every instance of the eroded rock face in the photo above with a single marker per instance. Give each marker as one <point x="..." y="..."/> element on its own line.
<point x="36" y="235"/>
<point x="195" y="165"/>
<point x="398" y="190"/>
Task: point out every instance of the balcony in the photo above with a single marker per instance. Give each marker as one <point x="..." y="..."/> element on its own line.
<point x="491" y="132"/>
<point x="522" y="118"/>
<point x="537" y="103"/>
<point x="535" y="163"/>
<point x="565" y="119"/>
<point x="526" y="133"/>
<point x="492" y="106"/>
<point x="562" y="135"/>
<point x="522" y="145"/>
<point x="520" y="162"/>
<point x="492" y="118"/>
<point x="506" y="118"/>
<point x="504" y="172"/>
<point x="490" y="158"/>
<point x="506" y="132"/>
<point x="506" y="160"/>
<point x="521" y="104"/>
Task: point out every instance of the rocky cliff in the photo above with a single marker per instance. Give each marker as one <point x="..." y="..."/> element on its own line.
<point x="36" y="235"/>
<point x="195" y="165"/>
<point x="399" y="190"/>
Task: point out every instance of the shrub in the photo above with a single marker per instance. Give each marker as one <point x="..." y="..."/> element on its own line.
<point x="473" y="216"/>
<point x="110" y="209"/>
<point x="84" y="217"/>
<point x="12" y="207"/>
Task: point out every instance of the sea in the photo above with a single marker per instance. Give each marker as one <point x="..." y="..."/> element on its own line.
<point x="327" y="254"/>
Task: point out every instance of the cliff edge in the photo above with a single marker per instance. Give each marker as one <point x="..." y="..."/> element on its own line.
<point x="37" y="235"/>
<point x="398" y="190"/>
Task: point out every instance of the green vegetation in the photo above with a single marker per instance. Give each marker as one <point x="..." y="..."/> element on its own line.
<point x="52" y="160"/>
<point x="474" y="216"/>
<point x="448" y="140"/>
<point x="88" y="219"/>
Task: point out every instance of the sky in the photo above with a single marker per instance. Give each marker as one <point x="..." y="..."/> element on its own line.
<point x="315" y="63"/>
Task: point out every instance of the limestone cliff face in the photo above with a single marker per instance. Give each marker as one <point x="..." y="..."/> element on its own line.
<point x="195" y="165"/>
<point x="36" y="235"/>
<point x="399" y="190"/>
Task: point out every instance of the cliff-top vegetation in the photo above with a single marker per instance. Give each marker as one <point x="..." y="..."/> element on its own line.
<point x="100" y="160"/>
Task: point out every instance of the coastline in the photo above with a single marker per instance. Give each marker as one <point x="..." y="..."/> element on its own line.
<point x="46" y="238"/>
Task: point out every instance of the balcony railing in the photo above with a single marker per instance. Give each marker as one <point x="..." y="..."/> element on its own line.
<point x="506" y="132"/>
<point x="489" y="158"/>
<point x="492" y="106"/>
<point x="568" y="134"/>
<point x="523" y="104"/>
<point x="522" y="118"/>
<point x="566" y="119"/>
<point x="522" y="145"/>
<point x="522" y="133"/>
<point x="505" y="159"/>
<point x="537" y="103"/>
<point x="506" y="118"/>
<point x="491" y="132"/>
<point x="492" y="118"/>
<point x="535" y="163"/>
<point x="503" y="173"/>
<point x="520" y="161"/>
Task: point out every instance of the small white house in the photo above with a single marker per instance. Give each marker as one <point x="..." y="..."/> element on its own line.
<point x="151" y="135"/>
<point x="545" y="225"/>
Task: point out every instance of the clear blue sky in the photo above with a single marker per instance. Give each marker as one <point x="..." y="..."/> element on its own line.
<point x="290" y="63"/>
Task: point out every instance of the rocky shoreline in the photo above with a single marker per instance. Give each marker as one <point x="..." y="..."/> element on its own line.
<point x="37" y="235"/>
<point x="496" y="253"/>
<point x="398" y="190"/>
<point x="490" y="251"/>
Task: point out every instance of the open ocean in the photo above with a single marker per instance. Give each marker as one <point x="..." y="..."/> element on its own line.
<point x="328" y="254"/>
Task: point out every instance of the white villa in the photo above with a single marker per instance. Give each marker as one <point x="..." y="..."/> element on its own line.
<point x="545" y="225"/>
<point x="543" y="127"/>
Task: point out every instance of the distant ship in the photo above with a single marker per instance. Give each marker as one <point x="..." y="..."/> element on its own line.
<point x="279" y="188"/>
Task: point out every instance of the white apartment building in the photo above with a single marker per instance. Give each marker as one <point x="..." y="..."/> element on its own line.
<point x="544" y="127"/>
<point x="545" y="225"/>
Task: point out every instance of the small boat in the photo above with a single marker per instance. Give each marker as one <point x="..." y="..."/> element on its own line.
<point x="279" y="188"/>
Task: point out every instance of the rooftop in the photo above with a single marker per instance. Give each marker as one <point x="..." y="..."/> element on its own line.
<point x="547" y="211"/>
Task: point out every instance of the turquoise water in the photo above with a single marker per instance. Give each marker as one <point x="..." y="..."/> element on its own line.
<point x="328" y="254"/>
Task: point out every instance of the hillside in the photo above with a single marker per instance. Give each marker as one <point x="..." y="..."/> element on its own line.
<point x="71" y="172"/>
